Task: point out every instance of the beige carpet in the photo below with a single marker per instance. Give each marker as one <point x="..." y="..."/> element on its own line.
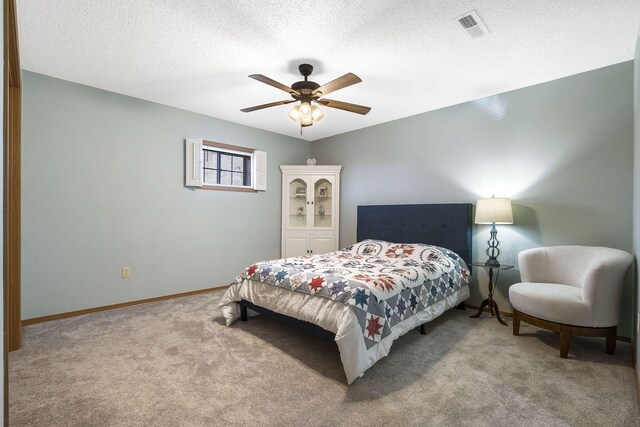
<point x="174" y="363"/>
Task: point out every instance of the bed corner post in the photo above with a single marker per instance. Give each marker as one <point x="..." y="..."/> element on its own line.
<point x="243" y="312"/>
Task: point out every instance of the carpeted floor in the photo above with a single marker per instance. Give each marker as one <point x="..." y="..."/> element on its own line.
<point x="174" y="363"/>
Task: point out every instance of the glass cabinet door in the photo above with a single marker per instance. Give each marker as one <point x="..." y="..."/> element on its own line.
<point x="323" y="192"/>
<point x="297" y="202"/>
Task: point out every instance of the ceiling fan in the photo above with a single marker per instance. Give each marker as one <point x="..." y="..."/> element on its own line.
<point x="306" y="92"/>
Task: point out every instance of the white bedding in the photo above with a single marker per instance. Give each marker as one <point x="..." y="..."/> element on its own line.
<point x="368" y="294"/>
<point x="333" y="316"/>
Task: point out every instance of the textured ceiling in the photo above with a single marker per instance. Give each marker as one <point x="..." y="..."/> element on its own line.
<point x="411" y="55"/>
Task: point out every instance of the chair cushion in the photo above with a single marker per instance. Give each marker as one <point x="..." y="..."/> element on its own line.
<point x="552" y="301"/>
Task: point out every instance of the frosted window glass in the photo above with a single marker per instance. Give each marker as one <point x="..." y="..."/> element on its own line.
<point x="238" y="164"/>
<point x="210" y="159"/>
<point x="225" y="178"/>
<point x="225" y="162"/>
<point x="210" y="176"/>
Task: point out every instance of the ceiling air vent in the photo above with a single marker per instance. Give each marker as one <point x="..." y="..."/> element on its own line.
<point x="471" y="23"/>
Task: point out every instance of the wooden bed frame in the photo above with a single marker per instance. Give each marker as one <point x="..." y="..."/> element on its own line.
<point x="445" y="225"/>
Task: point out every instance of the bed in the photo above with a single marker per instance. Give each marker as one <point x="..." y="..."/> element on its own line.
<point x="409" y="266"/>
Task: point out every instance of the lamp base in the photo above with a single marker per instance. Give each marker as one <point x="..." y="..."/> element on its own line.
<point x="492" y="251"/>
<point x="492" y="262"/>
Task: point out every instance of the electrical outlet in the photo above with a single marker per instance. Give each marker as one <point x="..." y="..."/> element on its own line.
<point x="126" y="272"/>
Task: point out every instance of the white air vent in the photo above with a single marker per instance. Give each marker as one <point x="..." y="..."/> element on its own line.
<point x="471" y="23"/>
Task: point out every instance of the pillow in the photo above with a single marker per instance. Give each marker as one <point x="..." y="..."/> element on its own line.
<point x="404" y="251"/>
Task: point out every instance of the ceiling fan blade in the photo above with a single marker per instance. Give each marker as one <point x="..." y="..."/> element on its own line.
<point x="271" y="82"/>
<point x="339" y="83"/>
<point x="353" y="108"/>
<point x="272" y="104"/>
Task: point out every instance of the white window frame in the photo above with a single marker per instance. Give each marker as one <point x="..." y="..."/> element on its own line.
<point x="194" y="164"/>
<point x="226" y="151"/>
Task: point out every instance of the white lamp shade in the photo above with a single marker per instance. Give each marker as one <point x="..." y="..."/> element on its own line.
<point x="489" y="211"/>
<point x="305" y="114"/>
<point x="305" y="109"/>
<point x="316" y="114"/>
<point x="294" y="114"/>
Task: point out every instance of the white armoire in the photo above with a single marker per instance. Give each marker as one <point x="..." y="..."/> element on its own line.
<point x="310" y="209"/>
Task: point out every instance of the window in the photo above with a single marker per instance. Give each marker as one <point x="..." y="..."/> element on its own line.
<point x="225" y="168"/>
<point x="217" y="166"/>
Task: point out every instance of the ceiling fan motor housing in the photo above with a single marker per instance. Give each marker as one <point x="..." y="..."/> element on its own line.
<point x="305" y="70"/>
<point x="305" y="87"/>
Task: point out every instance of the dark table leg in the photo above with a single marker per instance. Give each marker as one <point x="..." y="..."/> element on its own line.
<point x="493" y="306"/>
<point x="482" y="306"/>
<point x="498" y="314"/>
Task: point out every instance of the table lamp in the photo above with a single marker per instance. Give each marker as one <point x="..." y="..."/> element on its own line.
<point x="493" y="211"/>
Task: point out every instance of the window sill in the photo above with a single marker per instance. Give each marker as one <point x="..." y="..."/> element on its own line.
<point x="225" y="188"/>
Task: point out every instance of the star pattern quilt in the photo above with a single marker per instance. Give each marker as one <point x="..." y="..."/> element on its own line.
<point x="384" y="283"/>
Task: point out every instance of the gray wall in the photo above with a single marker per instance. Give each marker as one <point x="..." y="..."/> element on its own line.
<point x="103" y="184"/>
<point x="103" y="188"/>
<point x="562" y="150"/>
<point x="2" y="379"/>
<point x="636" y="191"/>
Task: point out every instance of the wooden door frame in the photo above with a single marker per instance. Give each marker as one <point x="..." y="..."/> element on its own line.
<point x="12" y="192"/>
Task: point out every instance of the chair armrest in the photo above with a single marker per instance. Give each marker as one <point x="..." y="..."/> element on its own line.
<point x="602" y="288"/>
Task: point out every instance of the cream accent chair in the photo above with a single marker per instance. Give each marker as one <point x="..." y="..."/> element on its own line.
<point x="573" y="290"/>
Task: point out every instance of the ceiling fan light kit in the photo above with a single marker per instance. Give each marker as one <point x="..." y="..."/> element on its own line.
<point x="305" y="114"/>
<point x="308" y="92"/>
<point x="316" y="114"/>
<point x="294" y="114"/>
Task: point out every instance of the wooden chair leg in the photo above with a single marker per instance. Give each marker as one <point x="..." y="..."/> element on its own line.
<point x="611" y="342"/>
<point x="516" y="323"/>
<point x="567" y="331"/>
<point x="565" y="340"/>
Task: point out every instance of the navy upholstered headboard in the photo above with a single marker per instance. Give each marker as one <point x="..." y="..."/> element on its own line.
<point x="447" y="225"/>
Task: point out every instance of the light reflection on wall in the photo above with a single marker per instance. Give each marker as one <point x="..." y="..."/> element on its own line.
<point x="511" y="172"/>
<point x="495" y="106"/>
<point x="561" y="153"/>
